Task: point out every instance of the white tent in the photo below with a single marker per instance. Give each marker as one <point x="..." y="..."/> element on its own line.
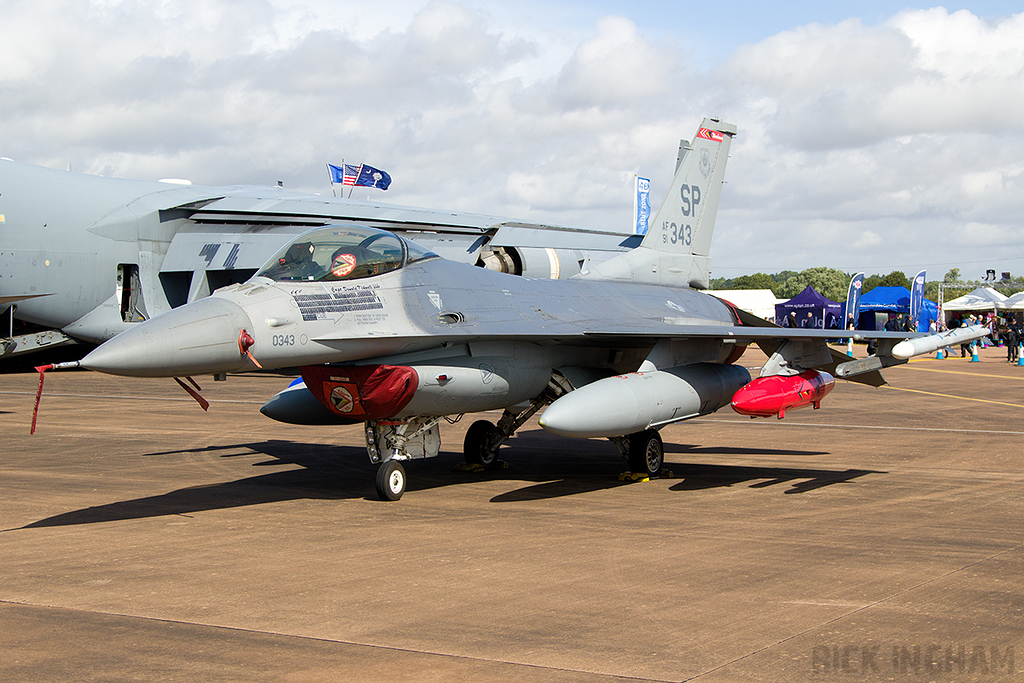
<point x="760" y="302"/>
<point x="1014" y="303"/>
<point x="981" y="299"/>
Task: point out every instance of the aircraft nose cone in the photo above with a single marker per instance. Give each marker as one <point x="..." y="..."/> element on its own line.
<point x="198" y="338"/>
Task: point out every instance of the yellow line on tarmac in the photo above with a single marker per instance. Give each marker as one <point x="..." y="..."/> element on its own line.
<point x="961" y="372"/>
<point x="962" y="398"/>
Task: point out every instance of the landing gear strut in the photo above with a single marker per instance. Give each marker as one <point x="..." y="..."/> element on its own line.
<point x="389" y="443"/>
<point x="483" y="439"/>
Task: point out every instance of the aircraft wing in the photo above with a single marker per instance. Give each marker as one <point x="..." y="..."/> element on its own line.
<point x="245" y="228"/>
<point x="13" y="299"/>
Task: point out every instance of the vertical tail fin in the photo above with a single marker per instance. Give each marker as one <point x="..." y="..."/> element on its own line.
<point x="686" y="219"/>
<point x="676" y="249"/>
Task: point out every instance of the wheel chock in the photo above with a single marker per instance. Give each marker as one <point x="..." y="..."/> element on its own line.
<point x="637" y="476"/>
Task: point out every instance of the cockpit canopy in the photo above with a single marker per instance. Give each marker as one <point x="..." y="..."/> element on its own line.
<point x="342" y="253"/>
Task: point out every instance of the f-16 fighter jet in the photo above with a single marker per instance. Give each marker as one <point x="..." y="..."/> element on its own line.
<point x="389" y="334"/>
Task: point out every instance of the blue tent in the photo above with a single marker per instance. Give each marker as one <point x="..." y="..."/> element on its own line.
<point x="893" y="300"/>
<point x="825" y="313"/>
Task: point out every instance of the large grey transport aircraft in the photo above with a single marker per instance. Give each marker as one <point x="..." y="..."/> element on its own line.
<point x="389" y="334"/>
<point x="84" y="258"/>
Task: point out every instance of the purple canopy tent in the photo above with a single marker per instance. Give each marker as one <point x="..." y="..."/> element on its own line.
<point x="825" y="313"/>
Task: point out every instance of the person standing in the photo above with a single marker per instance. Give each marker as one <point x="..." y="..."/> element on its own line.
<point x="1012" y="340"/>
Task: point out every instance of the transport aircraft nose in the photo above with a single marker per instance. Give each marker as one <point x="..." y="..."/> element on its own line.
<point x="199" y="338"/>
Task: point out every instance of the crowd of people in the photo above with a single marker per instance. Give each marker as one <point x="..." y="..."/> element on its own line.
<point x="1008" y="329"/>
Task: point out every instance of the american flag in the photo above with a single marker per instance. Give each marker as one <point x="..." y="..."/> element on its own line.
<point x="351" y="174"/>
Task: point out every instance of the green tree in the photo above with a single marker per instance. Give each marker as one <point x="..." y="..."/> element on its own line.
<point x="895" y="279"/>
<point x="828" y="282"/>
<point x="870" y="282"/>
<point x="755" y="281"/>
<point x="720" y="283"/>
<point x="781" y="277"/>
<point x="953" y="275"/>
<point x="791" y="287"/>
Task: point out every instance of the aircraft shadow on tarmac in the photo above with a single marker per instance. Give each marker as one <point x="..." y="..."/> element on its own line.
<point x="329" y="472"/>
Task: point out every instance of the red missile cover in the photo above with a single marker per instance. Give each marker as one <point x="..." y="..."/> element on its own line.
<point x="774" y="395"/>
<point x="363" y="392"/>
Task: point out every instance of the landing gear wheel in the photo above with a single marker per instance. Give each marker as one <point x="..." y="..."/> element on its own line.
<point x="481" y="444"/>
<point x="390" y="480"/>
<point x="646" y="453"/>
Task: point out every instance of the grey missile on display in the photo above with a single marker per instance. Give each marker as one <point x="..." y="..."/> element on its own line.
<point x="389" y="334"/>
<point x="909" y="348"/>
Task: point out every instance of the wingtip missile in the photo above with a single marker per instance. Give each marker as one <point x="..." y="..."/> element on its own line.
<point x="933" y="342"/>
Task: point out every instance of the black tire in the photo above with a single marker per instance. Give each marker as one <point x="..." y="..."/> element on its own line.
<point x="646" y="453"/>
<point x="391" y="480"/>
<point x="481" y="444"/>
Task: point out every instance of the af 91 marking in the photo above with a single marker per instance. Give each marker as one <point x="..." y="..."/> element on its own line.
<point x="677" y="234"/>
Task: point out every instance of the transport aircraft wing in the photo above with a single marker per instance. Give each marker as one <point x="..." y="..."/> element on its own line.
<point x="388" y="334"/>
<point x="110" y="253"/>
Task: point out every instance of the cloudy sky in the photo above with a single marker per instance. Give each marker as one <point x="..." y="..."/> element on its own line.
<point x="874" y="136"/>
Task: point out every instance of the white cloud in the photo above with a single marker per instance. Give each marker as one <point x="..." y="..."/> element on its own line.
<point x="859" y="146"/>
<point x="616" y="67"/>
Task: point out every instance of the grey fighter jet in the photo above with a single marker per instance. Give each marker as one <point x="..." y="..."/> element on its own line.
<point x="390" y="335"/>
<point x="83" y="257"/>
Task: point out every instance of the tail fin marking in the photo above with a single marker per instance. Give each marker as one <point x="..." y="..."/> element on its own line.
<point x="675" y="251"/>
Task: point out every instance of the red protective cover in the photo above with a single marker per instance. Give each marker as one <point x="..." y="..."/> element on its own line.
<point x="775" y="394"/>
<point x="362" y="392"/>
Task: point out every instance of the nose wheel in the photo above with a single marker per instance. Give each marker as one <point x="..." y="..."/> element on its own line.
<point x="390" y="480"/>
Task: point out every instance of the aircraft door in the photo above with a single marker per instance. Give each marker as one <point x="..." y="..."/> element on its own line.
<point x="129" y="293"/>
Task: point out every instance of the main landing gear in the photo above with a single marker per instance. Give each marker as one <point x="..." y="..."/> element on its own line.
<point x="482" y="442"/>
<point x="644" y="451"/>
<point x="391" y="442"/>
<point x="483" y="439"/>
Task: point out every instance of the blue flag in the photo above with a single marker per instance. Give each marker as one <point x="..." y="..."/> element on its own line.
<point x="337" y="174"/>
<point x="853" y="299"/>
<point x="641" y="205"/>
<point x="917" y="299"/>
<point x="373" y="177"/>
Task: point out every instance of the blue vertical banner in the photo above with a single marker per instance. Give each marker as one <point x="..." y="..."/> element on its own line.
<point x="641" y="205"/>
<point x="853" y="299"/>
<point x="917" y="299"/>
